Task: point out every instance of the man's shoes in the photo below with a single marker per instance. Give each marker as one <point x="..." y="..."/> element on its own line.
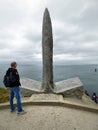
<point x="21" y="112"/>
<point x="14" y="110"/>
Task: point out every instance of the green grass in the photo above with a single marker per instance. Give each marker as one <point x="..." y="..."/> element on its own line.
<point x="4" y="95"/>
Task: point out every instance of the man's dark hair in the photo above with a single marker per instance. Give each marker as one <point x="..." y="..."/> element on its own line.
<point x="13" y="63"/>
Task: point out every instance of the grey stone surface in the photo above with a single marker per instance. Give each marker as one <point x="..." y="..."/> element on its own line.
<point x="47" y="50"/>
<point x="29" y="86"/>
<point x="26" y="92"/>
<point x="70" y="88"/>
<point x="49" y="118"/>
<point x="46" y="97"/>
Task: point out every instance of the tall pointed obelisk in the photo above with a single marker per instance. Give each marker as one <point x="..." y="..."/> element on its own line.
<point x="68" y="88"/>
<point x="47" y="50"/>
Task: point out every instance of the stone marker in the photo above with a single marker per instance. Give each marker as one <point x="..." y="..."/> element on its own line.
<point x="68" y="88"/>
<point x="47" y="51"/>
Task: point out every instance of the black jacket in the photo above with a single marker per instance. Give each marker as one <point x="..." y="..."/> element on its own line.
<point x="15" y="74"/>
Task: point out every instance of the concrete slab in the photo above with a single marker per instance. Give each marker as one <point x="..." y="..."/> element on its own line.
<point x="30" y="84"/>
<point x="65" y="85"/>
<point x="46" y="97"/>
<point x="51" y="112"/>
<point x="48" y="118"/>
<point x="69" y="88"/>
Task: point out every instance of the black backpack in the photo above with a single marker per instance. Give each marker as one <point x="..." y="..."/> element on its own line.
<point x="9" y="79"/>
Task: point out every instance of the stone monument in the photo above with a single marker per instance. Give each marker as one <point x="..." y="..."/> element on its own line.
<point x="47" y="52"/>
<point x="68" y="88"/>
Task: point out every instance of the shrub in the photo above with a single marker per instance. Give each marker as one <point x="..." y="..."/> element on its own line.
<point x="4" y="95"/>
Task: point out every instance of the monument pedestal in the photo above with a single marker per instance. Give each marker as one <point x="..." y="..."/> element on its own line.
<point x="46" y="97"/>
<point x="68" y="88"/>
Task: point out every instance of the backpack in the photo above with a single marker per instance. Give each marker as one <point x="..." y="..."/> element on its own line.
<point x="8" y="79"/>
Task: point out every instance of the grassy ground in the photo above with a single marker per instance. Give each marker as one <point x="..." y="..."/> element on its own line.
<point x="4" y="95"/>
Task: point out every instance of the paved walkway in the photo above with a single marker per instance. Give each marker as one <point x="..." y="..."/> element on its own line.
<point x="48" y="118"/>
<point x="51" y="112"/>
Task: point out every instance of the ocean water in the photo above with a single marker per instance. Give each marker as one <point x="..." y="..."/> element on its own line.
<point x="86" y="73"/>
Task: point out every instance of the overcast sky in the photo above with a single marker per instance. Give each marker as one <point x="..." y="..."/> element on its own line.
<point x="75" y="30"/>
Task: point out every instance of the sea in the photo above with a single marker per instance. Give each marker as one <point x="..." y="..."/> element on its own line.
<point x="87" y="74"/>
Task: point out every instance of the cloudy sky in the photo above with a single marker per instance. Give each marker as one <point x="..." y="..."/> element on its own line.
<point x="75" y="30"/>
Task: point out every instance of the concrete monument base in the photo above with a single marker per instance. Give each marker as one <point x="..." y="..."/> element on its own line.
<point x="68" y="88"/>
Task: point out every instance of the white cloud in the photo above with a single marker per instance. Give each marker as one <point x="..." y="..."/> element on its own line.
<point x="75" y="30"/>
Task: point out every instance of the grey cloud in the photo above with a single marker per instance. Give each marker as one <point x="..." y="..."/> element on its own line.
<point x="10" y="14"/>
<point x="75" y="30"/>
<point x="89" y="19"/>
<point x="34" y="37"/>
<point x="3" y="45"/>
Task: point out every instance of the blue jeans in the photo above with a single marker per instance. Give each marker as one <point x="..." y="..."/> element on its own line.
<point x="15" y="91"/>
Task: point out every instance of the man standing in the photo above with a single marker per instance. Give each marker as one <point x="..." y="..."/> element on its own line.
<point x="14" y="88"/>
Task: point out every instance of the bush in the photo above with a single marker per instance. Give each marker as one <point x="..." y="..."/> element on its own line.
<point x="4" y="95"/>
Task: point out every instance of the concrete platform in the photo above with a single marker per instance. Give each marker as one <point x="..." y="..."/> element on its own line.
<point x="51" y="112"/>
<point x="85" y="104"/>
